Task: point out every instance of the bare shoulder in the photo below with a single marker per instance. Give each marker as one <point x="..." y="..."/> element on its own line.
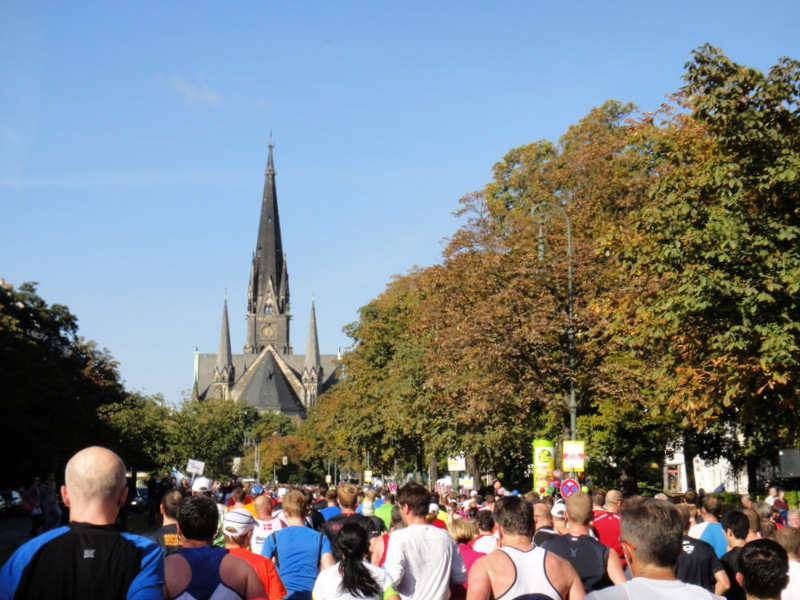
<point x="237" y="574"/>
<point x="177" y="575"/>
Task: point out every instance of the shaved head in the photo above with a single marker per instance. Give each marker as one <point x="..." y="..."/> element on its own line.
<point x="263" y="504"/>
<point x="94" y="474"/>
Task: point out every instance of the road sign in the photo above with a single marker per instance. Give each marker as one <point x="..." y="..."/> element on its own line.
<point x="569" y="487"/>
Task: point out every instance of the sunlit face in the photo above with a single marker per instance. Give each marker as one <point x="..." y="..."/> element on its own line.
<point x="794" y="520"/>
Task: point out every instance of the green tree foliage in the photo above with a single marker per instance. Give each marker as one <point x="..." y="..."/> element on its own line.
<point x="53" y="385"/>
<point x="717" y="252"/>
<point x="210" y="430"/>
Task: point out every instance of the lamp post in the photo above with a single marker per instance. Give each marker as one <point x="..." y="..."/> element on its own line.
<point x="540" y="213"/>
<point x="248" y="441"/>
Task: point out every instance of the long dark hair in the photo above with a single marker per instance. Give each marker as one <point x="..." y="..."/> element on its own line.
<point x="356" y="578"/>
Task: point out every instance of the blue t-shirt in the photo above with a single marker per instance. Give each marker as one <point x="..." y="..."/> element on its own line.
<point x="297" y="552"/>
<point x="714" y="535"/>
<point x="330" y="511"/>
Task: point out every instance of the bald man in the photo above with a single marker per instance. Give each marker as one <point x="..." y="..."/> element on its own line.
<point x="88" y="558"/>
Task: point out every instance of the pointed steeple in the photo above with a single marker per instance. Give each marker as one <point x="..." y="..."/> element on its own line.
<point x="268" y="296"/>
<point x="312" y="370"/>
<point x="223" y="369"/>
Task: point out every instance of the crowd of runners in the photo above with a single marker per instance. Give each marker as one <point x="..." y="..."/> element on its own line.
<point x="232" y="541"/>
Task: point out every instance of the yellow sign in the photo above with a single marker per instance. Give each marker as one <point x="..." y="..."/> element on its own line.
<point x="367" y="476"/>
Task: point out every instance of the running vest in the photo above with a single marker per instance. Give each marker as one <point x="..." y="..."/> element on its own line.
<point x="530" y="582"/>
<point x="206" y="583"/>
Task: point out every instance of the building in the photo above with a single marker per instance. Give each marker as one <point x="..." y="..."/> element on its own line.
<point x="267" y="375"/>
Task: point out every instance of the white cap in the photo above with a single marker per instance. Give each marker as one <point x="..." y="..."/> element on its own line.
<point x="201" y="484"/>
<point x="433" y="508"/>
<point x="238" y="522"/>
<point x="559" y="510"/>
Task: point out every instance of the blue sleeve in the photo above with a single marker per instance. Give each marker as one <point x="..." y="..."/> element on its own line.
<point x="11" y="573"/>
<point x="149" y="583"/>
<point x="326" y="544"/>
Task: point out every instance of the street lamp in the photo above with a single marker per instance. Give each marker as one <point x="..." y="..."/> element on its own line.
<point x="540" y="213"/>
<point x="248" y="441"/>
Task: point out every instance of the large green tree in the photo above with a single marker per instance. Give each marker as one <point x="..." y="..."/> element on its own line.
<point x="718" y="259"/>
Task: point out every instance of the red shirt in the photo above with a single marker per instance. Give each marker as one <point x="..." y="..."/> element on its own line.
<point x="607" y="528"/>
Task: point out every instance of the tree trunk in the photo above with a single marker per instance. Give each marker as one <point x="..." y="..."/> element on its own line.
<point x="472" y="469"/>
<point x="433" y="470"/>
<point x="688" y="462"/>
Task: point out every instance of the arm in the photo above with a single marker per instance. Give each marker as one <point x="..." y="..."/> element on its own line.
<point x="395" y="561"/>
<point x="326" y="554"/>
<point x="458" y="571"/>
<point x="614" y="568"/>
<point x="480" y="585"/>
<point x="376" y="550"/>
<point x="723" y="583"/>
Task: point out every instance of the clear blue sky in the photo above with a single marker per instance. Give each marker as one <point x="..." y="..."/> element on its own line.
<point x="132" y="142"/>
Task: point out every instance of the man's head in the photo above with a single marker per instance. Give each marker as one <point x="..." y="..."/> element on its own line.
<point x="736" y="526"/>
<point x="579" y="509"/>
<point x="197" y="518"/>
<point x="237" y="526"/>
<point x="690" y="497"/>
<point x="599" y="498"/>
<point x="747" y="501"/>
<point x="712" y="508"/>
<point x="169" y="503"/>
<point x="773" y="491"/>
<point x="789" y="538"/>
<point x="485" y="521"/>
<point x="294" y="504"/>
<point x="514" y="516"/>
<point x="763" y="568"/>
<point x="542" y="516"/>
<point x="415" y="498"/>
<point x="95" y="477"/>
<point x="613" y="501"/>
<point x="239" y="495"/>
<point x="201" y="485"/>
<point x="652" y="531"/>
<point x="753" y="519"/>
<point x="263" y="507"/>
<point x="348" y="496"/>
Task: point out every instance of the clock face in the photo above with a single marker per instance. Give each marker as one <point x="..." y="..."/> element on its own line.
<point x="268" y="331"/>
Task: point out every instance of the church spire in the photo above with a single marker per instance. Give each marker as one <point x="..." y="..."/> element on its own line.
<point x="268" y="296"/>
<point x="224" y="370"/>
<point x="312" y="370"/>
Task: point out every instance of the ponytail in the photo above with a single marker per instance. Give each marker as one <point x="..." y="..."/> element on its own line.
<point x="357" y="580"/>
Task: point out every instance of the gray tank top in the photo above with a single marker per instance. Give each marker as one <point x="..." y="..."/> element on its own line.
<point x="530" y="581"/>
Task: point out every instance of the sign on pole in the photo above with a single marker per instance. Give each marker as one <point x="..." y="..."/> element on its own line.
<point x="573" y="456"/>
<point x="457" y="463"/>
<point x="196" y="467"/>
<point x="367" y="476"/>
<point x="544" y="463"/>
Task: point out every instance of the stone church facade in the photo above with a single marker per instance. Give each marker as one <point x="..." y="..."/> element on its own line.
<point x="267" y="375"/>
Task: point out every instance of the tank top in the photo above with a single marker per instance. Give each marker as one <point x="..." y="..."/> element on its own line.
<point x="206" y="583"/>
<point x="530" y="581"/>
<point x="385" y="549"/>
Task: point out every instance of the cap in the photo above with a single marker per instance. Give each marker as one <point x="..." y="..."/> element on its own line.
<point x="256" y="489"/>
<point x="282" y="492"/>
<point x="559" y="510"/>
<point x="433" y="508"/>
<point x="238" y="522"/>
<point x="201" y="484"/>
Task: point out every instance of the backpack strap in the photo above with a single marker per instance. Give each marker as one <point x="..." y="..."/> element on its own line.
<point x="275" y="552"/>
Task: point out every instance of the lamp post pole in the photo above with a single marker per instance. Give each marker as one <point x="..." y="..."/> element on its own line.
<point x="540" y="213"/>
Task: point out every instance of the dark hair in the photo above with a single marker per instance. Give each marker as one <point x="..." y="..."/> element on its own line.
<point x="655" y="528"/>
<point x="198" y="518"/>
<point x="356" y="578"/>
<point x="170" y="502"/>
<point x="764" y="566"/>
<point x="690" y="497"/>
<point x="514" y="515"/>
<point x="737" y="522"/>
<point x="484" y="520"/>
<point x="416" y="497"/>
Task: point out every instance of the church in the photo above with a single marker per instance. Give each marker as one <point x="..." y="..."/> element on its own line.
<point x="267" y="375"/>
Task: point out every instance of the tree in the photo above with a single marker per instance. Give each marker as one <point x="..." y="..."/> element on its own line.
<point x="54" y="381"/>
<point x="718" y="257"/>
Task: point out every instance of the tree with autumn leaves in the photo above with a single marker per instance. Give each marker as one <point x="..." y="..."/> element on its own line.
<point x="684" y="227"/>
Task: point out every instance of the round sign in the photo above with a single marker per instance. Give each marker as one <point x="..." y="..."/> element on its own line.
<point x="393" y="487"/>
<point x="569" y="487"/>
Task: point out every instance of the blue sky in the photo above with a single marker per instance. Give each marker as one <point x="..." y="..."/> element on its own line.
<point x="133" y="142"/>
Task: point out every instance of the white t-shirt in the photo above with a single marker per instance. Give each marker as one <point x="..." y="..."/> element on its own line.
<point x="653" y="589"/>
<point x="422" y="560"/>
<point x="792" y="591"/>
<point x="329" y="581"/>
<point x="261" y="531"/>
<point x="485" y="543"/>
